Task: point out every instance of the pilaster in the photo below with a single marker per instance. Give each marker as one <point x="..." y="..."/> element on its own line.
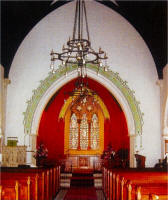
<point x="31" y="149"/>
<point x="132" y="151"/>
<point x="164" y="110"/>
<point x="4" y="82"/>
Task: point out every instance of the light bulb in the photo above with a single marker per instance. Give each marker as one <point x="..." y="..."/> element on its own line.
<point x="80" y="48"/>
<point x="63" y="48"/>
<point x="52" y="66"/>
<point x="105" y="68"/>
<point x="105" y="56"/>
<point x="52" y="52"/>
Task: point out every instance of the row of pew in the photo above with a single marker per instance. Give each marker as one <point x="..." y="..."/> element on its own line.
<point x="130" y="184"/>
<point x="30" y="184"/>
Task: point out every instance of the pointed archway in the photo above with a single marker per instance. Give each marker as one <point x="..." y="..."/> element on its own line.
<point x="109" y="79"/>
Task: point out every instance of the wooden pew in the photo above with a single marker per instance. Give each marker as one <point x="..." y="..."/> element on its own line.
<point x="150" y="183"/>
<point x="35" y="184"/>
<point x="10" y="191"/>
<point x="25" y="184"/>
<point x="123" y="185"/>
<point x="153" y="192"/>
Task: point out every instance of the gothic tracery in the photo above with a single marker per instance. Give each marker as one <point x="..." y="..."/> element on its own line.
<point x="84" y="124"/>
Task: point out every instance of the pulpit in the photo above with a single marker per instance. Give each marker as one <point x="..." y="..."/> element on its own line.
<point x="12" y="156"/>
<point x="140" y="160"/>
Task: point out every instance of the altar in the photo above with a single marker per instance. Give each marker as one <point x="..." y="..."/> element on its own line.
<point x="92" y="162"/>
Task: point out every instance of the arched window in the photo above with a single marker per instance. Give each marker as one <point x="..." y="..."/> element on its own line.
<point x="94" y="132"/>
<point x="73" y="136"/>
<point x="84" y="127"/>
<point x="84" y="133"/>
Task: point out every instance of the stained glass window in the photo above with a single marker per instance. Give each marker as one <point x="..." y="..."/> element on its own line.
<point x="84" y="133"/>
<point x="73" y="137"/>
<point x="94" y="132"/>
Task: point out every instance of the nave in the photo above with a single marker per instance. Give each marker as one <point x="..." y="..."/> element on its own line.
<point x="111" y="184"/>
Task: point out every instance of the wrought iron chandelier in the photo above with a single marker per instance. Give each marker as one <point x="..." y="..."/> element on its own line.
<point x="82" y="88"/>
<point x="78" y="50"/>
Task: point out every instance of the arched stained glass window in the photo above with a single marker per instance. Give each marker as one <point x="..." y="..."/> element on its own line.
<point x="94" y="132"/>
<point x="84" y="133"/>
<point x="73" y="137"/>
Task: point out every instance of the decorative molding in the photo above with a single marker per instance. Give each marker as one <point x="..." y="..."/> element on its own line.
<point x="128" y="94"/>
<point x="61" y="71"/>
<point x="37" y="95"/>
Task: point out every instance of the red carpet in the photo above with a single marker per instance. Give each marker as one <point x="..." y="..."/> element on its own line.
<point x="81" y="193"/>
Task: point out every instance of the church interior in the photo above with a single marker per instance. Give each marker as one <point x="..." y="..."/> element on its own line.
<point x="83" y="100"/>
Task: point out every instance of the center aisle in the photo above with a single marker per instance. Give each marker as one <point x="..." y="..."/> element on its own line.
<point x="81" y="187"/>
<point x="82" y="193"/>
<point x="62" y="195"/>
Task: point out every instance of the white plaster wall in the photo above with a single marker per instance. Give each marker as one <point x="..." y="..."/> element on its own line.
<point x="127" y="52"/>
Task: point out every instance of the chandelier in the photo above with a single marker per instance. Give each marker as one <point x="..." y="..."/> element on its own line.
<point x="82" y="94"/>
<point x="81" y="89"/>
<point x="78" y="50"/>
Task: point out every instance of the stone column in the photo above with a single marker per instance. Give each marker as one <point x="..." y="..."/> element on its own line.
<point x="164" y="109"/>
<point x="132" y="151"/>
<point x="5" y="83"/>
<point x="3" y="98"/>
<point x="31" y="149"/>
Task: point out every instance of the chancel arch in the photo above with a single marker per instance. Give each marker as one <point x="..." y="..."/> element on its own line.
<point x="57" y="82"/>
<point x="110" y="80"/>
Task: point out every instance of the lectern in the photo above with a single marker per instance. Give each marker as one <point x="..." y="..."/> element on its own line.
<point x="140" y="160"/>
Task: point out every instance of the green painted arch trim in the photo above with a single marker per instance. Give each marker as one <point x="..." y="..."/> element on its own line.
<point x="110" y="75"/>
